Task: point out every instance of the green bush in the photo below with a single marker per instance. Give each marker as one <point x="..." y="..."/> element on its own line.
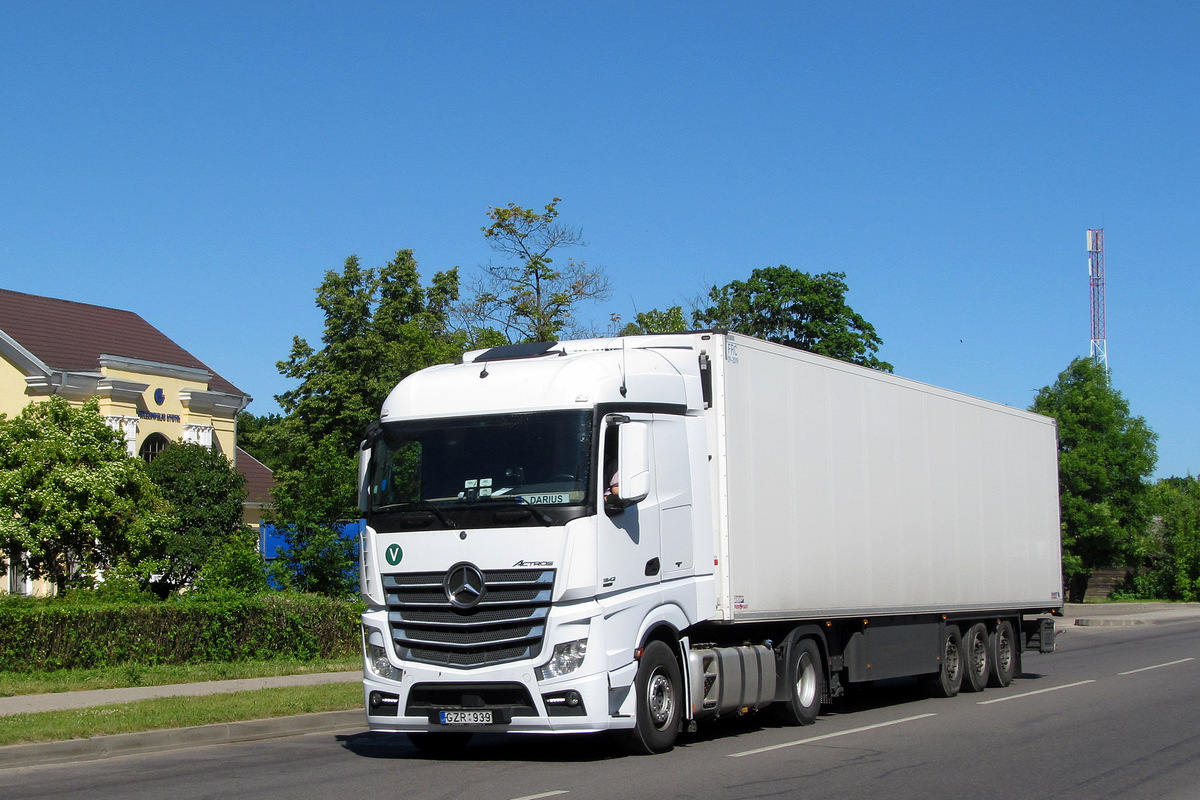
<point x="63" y="634"/>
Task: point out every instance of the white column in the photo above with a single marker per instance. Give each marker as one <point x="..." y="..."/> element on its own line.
<point x="198" y="434"/>
<point x="128" y="426"/>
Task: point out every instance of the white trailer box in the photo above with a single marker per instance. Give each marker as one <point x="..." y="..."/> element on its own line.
<point x="845" y="491"/>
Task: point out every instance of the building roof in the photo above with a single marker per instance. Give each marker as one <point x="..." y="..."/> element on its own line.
<point x="259" y="478"/>
<point x="72" y="337"/>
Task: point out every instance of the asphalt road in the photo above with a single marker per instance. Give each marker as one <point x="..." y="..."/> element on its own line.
<point x="1112" y="714"/>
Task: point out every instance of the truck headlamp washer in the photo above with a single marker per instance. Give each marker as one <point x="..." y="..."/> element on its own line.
<point x="464" y="585"/>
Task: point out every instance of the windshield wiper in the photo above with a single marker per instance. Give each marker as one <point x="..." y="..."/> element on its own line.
<point x="419" y="506"/>
<point x="518" y="502"/>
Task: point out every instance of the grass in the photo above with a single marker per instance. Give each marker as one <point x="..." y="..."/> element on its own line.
<point x="178" y="712"/>
<point x="64" y="680"/>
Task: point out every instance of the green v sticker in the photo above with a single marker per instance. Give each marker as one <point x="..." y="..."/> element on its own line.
<point x="393" y="554"/>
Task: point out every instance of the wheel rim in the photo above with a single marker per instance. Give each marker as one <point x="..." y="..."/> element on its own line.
<point x="953" y="663"/>
<point x="806" y="680"/>
<point x="661" y="699"/>
<point x="1004" y="653"/>
<point x="978" y="655"/>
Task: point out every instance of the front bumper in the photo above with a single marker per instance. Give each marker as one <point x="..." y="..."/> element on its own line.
<point x="517" y="702"/>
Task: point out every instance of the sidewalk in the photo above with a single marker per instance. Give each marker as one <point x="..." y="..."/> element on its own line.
<point x="1111" y="615"/>
<point x="61" y="701"/>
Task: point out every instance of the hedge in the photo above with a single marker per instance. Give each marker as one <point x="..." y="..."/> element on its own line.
<point x="61" y="635"/>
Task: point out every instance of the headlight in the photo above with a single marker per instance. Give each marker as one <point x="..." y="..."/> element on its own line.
<point x="376" y="657"/>
<point x="565" y="659"/>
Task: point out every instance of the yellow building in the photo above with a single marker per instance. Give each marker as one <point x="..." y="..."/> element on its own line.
<point x="148" y="387"/>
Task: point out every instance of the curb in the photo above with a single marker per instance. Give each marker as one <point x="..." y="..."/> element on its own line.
<point x="125" y="744"/>
<point x="1131" y="620"/>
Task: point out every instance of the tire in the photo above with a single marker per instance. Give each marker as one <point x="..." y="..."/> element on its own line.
<point x="805" y="680"/>
<point x="1002" y="649"/>
<point x="976" y="658"/>
<point x="948" y="680"/>
<point x="659" y="690"/>
<point x="440" y="744"/>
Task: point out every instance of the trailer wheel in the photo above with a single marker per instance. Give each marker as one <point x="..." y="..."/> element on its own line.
<point x="976" y="658"/>
<point x="948" y="680"/>
<point x="658" y="687"/>
<point x="805" y="683"/>
<point x="1002" y="647"/>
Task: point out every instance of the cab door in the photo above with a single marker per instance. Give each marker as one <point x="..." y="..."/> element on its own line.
<point x="628" y="536"/>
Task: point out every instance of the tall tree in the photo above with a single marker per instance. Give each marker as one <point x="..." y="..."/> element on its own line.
<point x="790" y="307"/>
<point x="655" y="321"/>
<point x="380" y="325"/>
<point x="72" y="501"/>
<point x="207" y="494"/>
<point x="1105" y="456"/>
<point x="528" y="298"/>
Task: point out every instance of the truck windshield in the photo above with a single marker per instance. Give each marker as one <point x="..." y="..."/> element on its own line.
<point x="536" y="459"/>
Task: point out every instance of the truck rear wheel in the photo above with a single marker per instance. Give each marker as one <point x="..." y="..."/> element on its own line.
<point x="805" y="681"/>
<point x="1002" y="647"/>
<point x="977" y="659"/>
<point x="658" y="687"/>
<point x="948" y="680"/>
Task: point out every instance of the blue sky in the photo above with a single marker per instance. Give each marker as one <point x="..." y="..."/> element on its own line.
<point x="204" y="164"/>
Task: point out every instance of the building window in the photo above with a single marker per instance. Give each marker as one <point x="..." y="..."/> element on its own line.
<point x="154" y="444"/>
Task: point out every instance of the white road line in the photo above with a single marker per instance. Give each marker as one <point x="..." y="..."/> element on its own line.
<point x="829" y="736"/>
<point x="1158" y="666"/>
<point x="1038" y="691"/>
<point x="543" y="794"/>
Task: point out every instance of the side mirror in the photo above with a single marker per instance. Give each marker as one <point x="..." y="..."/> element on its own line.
<point x="633" y="464"/>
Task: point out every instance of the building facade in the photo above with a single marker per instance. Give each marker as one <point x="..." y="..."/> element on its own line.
<point x="148" y="387"/>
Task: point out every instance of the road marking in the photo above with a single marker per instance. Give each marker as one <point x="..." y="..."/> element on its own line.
<point x="543" y="794"/>
<point x="1158" y="666"/>
<point x="1038" y="691"/>
<point x="829" y="736"/>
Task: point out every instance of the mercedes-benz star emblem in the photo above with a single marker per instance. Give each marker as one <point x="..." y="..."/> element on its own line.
<point x="464" y="585"/>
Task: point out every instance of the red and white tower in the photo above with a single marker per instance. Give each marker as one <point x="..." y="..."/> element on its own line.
<point x="1095" y="238"/>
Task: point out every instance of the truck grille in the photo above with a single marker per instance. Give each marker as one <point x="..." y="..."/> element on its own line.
<point x="508" y="623"/>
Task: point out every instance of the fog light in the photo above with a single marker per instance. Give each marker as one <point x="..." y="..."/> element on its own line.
<point x="565" y="659"/>
<point x="564" y="704"/>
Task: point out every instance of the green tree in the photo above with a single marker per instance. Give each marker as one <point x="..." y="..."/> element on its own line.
<point x="260" y="437"/>
<point x="234" y="567"/>
<point x="72" y="501"/>
<point x="1105" y="456"/>
<point x="531" y="299"/>
<point x="207" y="494"/>
<point x="655" y="321"/>
<point x="1170" y="552"/>
<point x="380" y="326"/>
<point x="808" y="312"/>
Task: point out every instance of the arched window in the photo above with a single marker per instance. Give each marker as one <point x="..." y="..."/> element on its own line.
<point x="153" y="445"/>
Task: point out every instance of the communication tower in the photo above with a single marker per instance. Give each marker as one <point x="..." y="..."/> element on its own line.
<point x="1095" y="244"/>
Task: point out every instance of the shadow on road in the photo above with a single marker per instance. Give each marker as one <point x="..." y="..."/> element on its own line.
<point x="592" y="747"/>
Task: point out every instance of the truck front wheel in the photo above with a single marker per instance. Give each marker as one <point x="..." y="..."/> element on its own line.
<point x="805" y="684"/>
<point x="658" y="686"/>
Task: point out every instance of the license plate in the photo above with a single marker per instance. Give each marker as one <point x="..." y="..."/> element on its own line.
<point x="465" y="717"/>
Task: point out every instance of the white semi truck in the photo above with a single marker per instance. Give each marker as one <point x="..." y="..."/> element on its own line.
<point x="638" y="533"/>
